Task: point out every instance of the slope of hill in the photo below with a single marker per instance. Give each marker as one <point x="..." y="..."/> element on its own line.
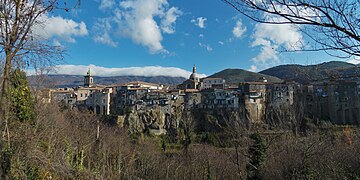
<point x="234" y="76"/>
<point x="320" y="72"/>
<point x="76" y="80"/>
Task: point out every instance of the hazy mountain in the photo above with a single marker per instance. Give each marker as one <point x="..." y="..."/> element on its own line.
<point x="234" y="76"/>
<point x="77" y="80"/>
<point x="320" y="72"/>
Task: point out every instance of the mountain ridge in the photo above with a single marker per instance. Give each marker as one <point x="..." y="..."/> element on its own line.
<point x="233" y="76"/>
<point x="312" y="73"/>
<point x="63" y="80"/>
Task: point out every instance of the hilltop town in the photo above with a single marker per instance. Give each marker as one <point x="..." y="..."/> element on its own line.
<point x="258" y="102"/>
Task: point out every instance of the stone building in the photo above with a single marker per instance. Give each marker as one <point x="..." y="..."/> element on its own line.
<point x="213" y="83"/>
<point x="281" y="94"/>
<point x="192" y="83"/>
<point x="253" y="100"/>
<point x="335" y="101"/>
<point x="99" y="101"/>
<point x="220" y="98"/>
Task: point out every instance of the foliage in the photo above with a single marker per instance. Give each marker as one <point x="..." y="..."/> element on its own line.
<point x="257" y="153"/>
<point x="22" y="100"/>
<point x="63" y="145"/>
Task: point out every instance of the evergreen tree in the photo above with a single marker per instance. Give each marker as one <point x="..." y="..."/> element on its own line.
<point x="22" y="101"/>
<point x="257" y="153"/>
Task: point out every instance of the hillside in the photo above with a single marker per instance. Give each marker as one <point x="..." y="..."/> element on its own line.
<point x="76" y="80"/>
<point x="319" y="72"/>
<point x="234" y="76"/>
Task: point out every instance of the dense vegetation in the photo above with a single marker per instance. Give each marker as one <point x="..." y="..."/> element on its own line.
<point x="64" y="143"/>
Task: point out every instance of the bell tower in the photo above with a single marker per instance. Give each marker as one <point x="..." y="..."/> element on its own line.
<point x="88" y="79"/>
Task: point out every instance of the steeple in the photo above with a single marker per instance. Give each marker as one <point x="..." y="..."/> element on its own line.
<point x="88" y="79"/>
<point x="194" y="69"/>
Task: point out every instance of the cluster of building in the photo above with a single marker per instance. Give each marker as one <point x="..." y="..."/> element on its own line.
<point x="334" y="101"/>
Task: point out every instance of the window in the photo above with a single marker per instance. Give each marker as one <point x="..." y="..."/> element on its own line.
<point x="86" y="94"/>
<point x="81" y="95"/>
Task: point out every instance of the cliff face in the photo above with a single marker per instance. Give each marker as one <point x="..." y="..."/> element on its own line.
<point x="152" y="121"/>
<point x="156" y="121"/>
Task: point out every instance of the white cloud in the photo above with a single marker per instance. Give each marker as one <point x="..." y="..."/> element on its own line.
<point x="200" y="22"/>
<point x="137" y="20"/>
<point x="272" y="37"/>
<point x="56" y="26"/>
<point x="106" y="4"/>
<point x="102" y="29"/>
<point x="253" y="68"/>
<point x="239" y="29"/>
<point x="354" y="60"/>
<point x="167" y="23"/>
<point x="221" y="43"/>
<point x="130" y="71"/>
<point x="206" y="46"/>
<point x="201" y="35"/>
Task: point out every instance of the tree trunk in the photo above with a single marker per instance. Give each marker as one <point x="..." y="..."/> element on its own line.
<point x="4" y="110"/>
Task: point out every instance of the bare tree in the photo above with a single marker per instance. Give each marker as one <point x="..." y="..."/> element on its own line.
<point x="20" y="46"/>
<point x="331" y="25"/>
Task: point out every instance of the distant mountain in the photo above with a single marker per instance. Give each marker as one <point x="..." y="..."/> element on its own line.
<point x="234" y="76"/>
<point x="77" y="80"/>
<point x="320" y="72"/>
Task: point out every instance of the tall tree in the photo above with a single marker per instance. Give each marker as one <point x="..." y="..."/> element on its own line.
<point x="19" y="45"/>
<point x="331" y="25"/>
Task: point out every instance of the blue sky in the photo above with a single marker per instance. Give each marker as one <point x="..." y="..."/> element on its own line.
<point x="167" y="37"/>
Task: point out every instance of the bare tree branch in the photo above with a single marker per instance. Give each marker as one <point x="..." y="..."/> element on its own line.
<point x="334" y="25"/>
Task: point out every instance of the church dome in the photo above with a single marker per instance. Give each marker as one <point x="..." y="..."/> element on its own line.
<point x="194" y="76"/>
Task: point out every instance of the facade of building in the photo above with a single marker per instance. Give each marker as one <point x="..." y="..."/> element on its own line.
<point x="335" y="101"/>
<point x="212" y="83"/>
<point x="253" y="100"/>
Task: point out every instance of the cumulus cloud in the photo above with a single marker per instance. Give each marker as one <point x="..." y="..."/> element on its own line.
<point x="221" y="43"/>
<point x="200" y="22"/>
<point x="106" y="4"/>
<point x="130" y="71"/>
<point x="102" y="29"/>
<point x="239" y="29"/>
<point x="136" y="19"/>
<point x="206" y="46"/>
<point x="57" y="26"/>
<point x="270" y="38"/>
<point x="167" y="23"/>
